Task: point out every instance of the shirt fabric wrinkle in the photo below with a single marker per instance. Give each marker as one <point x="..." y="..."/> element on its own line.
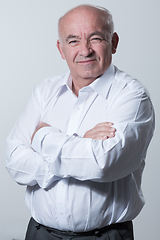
<point x="73" y="174"/>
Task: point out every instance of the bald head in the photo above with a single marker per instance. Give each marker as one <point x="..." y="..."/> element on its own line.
<point x="87" y="43"/>
<point x="102" y="13"/>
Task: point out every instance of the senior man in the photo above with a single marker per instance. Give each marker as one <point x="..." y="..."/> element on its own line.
<point x="81" y="141"/>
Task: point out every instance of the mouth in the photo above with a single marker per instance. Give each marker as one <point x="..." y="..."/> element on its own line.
<point x="88" y="61"/>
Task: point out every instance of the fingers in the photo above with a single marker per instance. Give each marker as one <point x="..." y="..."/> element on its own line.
<point x="42" y="124"/>
<point x="101" y="131"/>
<point x="39" y="126"/>
<point x="105" y="130"/>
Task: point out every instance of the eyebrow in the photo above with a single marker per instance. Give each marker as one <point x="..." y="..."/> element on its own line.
<point x="97" y="33"/>
<point x="70" y="36"/>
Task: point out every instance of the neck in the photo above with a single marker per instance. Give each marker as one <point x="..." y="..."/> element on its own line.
<point x="77" y="85"/>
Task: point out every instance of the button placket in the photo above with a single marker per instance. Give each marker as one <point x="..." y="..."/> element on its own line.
<point x="61" y="203"/>
<point x="74" y="120"/>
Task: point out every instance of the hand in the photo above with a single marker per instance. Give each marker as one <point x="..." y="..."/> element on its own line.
<point x="101" y="131"/>
<point x="40" y="125"/>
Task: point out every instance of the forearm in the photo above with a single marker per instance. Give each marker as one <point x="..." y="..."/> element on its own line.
<point x="97" y="160"/>
<point x="55" y="155"/>
<point x="26" y="166"/>
<point x="87" y="159"/>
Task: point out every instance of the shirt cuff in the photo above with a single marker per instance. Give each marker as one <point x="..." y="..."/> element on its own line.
<point x="39" y="137"/>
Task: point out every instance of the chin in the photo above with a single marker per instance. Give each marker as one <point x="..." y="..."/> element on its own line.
<point x="90" y="74"/>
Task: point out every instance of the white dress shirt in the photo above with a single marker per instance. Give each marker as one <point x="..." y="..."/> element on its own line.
<point x="75" y="183"/>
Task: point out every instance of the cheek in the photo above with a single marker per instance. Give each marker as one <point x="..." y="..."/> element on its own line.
<point x="101" y="51"/>
<point x="105" y="55"/>
<point x="70" y="55"/>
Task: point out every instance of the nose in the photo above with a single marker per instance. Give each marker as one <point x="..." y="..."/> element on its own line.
<point x="85" y="49"/>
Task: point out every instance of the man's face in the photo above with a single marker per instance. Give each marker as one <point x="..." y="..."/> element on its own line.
<point x="85" y="45"/>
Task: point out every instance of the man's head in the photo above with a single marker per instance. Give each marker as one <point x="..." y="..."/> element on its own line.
<point x="87" y="42"/>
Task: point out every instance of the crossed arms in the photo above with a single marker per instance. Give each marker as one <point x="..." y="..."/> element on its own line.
<point x="101" y="131"/>
<point x="105" y="153"/>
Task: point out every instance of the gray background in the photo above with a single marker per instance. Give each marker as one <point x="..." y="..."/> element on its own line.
<point x="28" y="34"/>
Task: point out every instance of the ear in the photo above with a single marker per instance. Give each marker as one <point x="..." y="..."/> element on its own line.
<point x="115" y="40"/>
<point x="60" y="48"/>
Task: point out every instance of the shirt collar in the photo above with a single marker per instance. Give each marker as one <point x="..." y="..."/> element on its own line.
<point x="101" y="85"/>
<point x="64" y="84"/>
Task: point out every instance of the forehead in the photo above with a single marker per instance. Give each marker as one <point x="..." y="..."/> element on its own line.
<point x="81" y="22"/>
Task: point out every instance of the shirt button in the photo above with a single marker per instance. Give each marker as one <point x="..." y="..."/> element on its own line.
<point x="78" y="108"/>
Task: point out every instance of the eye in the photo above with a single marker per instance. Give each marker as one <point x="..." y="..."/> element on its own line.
<point x="73" y="42"/>
<point x="95" y="40"/>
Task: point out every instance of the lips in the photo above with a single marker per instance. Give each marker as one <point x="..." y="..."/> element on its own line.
<point x="87" y="61"/>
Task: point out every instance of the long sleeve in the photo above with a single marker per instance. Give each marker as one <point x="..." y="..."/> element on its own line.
<point x="26" y="166"/>
<point x="104" y="161"/>
<point x="61" y="168"/>
<point x="54" y="154"/>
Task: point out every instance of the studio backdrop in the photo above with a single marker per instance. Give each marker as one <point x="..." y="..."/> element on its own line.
<point x="28" y="55"/>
